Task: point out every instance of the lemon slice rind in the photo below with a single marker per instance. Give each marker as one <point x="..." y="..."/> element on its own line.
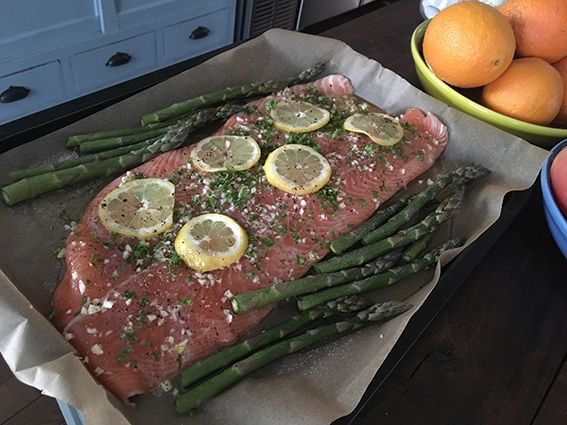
<point x="299" y="117"/>
<point x="195" y="252"/>
<point x="275" y="164"/>
<point x="382" y="129"/>
<point x="139" y="208"/>
<point x="225" y="152"/>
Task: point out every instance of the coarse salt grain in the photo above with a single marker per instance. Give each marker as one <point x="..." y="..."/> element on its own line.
<point x="228" y="316"/>
<point x="97" y="350"/>
<point x="166" y="386"/>
<point x="107" y="304"/>
<point x="93" y="309"/>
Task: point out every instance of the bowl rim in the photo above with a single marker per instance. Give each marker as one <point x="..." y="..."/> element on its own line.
<point x="548" y="196"/>
<point x="484" y="112"/>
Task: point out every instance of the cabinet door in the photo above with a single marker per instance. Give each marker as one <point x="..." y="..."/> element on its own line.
<point x="32" y="25"/>
<point x="135" y="12"/>
<point x="199" y="35"/>
<point x="95" y="69"/>
<point x="36" y="88"/>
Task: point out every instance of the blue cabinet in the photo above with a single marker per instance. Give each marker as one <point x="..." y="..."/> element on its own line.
<point x="52" y="51"/>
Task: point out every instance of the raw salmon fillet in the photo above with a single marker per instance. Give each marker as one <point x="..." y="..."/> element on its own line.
<point x="137" y="315"/>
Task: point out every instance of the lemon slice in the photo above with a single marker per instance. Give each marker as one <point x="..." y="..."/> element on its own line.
<point x="211" y="241"/>
<point x="383" y="129"/>
<point x="220" y="153"/>
<point x="299" y="117"/>
<point x="140" y="208"/>
<point x="297" y="169"/>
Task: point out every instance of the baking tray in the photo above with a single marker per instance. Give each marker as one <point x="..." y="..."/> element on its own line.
<point x="453" y="276"/>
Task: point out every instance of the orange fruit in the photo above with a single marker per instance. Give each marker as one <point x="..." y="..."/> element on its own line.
<point x="540" y="27"/>
<point x="530" y="90"/>
<point x="561" y="66"/>
<point x="469" y="44"/>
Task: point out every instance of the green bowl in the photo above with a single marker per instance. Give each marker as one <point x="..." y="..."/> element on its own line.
<point x="546" y="137"/>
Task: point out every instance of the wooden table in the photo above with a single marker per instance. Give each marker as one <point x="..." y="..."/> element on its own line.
<point x="496" y="352"/>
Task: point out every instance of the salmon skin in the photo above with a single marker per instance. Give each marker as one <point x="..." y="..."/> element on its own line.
<point x="136" y="314"/>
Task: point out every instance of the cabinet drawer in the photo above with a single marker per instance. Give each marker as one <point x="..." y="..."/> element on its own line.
<point x="45" y="87"/>
<point x="92" y="70"/>
<point x="216" y="30"/>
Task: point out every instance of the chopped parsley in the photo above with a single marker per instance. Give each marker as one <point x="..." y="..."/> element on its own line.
<point x="410" y="127"/>
<point x="305" y="139"/>
<point x="329" y="196"/>
<point x="265" y="150"/>
<point x="129" y="295"/>
<point x="129" y="336"/>
<point x="234" y="187"/>
<point x="211" y="201"/>
<point x="295" y="236"/>
<point x="270" y="104"/>
<point x="265" y="126"/>
<point x="370" y="148"/>
<point x="238" y="132"/>
<point x="141" y="251"/>
<point x="250" y="109"/>
<point x="313" y="95"/>
<point x="267" y="241"/>
<point x="337" y="133"/>
<point x="174" y="261"/>
<point x="187" y="302"/>
<point x="120" y="358"/>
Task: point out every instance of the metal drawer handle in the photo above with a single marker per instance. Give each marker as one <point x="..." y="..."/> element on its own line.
<point x="13" y="93"/>
<point x="199" y="32"/>
<point x="119" y="58"/>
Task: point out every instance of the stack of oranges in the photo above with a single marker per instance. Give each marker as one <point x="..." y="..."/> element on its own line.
<point x="517" y="53"/>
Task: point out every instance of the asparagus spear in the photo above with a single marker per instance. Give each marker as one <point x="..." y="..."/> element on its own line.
<point x="77" y="139"/>
<point x="228" y="377"/>
<point x="253" y="300"/>
<point x="31" y="187"/>
<point x="34" y="171"/>
<point x="415" y="249"/>
<point x="349" y="239"/>
<point x="402" y="238"/>
<point x="34" y="186"/>
<point x="236" y="352"/>
<point x="99" y="145"/>
<point x="230" y="93"/>
<point x="461" y="175"/>
<point x="193" y="120"/>
<point x="375" y="282"/>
